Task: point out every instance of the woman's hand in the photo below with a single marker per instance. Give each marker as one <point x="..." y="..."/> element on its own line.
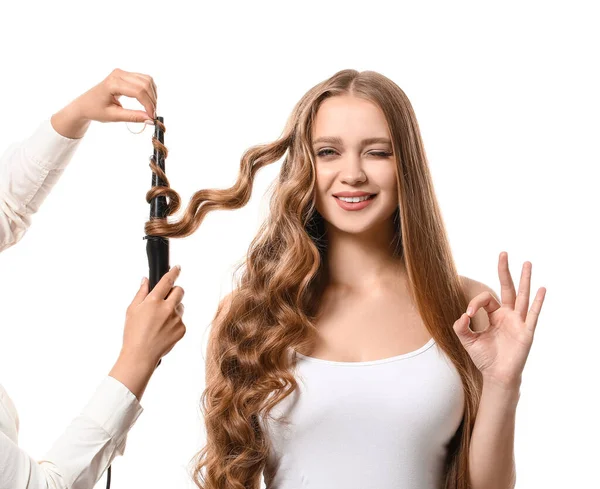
<point x="501" y="350"/>
<point x="101" y="103"/>
<point x="153" y="325"/>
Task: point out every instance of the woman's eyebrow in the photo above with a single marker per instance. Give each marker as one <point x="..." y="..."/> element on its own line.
<point x="337" y="140"/>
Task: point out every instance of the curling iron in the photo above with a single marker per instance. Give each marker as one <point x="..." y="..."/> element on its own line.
<point x="157" y="247"/>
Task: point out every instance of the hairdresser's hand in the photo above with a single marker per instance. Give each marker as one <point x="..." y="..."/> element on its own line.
<point x="153" y="325"/>
<point x="101" y="103"/>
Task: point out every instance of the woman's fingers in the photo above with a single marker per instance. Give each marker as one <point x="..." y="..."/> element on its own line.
<point x="507" y="286"/>
<point x="522" y="302"/>
<point x="535" y="309"/>
<point x="485" y="300"/>
<point x="462" y="328"/>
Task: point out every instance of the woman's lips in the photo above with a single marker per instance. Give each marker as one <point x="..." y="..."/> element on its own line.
<point x="354" y="206"/>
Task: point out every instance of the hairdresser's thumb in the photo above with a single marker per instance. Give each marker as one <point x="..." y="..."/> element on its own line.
<point x="119" y="114"/>
<point x="141" y="293"/>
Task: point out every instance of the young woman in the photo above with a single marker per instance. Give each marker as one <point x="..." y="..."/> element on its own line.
<point x="349" y="319"/>
<point x="153" y="325"/>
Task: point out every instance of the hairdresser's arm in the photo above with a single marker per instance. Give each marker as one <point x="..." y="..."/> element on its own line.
<point x="9" y="418"/>
<point x="20" y="471"/>
<point x="152" y="328"/>
<point x="78" y="459"/>
<point x="80" y="456"/>
<point x="99" y="434"/>
<point x="29" y="169"/>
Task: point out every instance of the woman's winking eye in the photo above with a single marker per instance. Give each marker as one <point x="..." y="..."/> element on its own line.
<point x="381" y="154"/>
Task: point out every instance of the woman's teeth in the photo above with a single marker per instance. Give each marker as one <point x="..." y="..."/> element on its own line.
<point x="355" y="199"/>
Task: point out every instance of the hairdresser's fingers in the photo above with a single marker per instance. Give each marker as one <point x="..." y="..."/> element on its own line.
<point x="180" y="329"/>
<point x="165" y="284"/>
<point x="152" y="86"/>
<point x="177" y="332"/>
<point x="144" y="84"/>
<point x="175" y="296"/>
<point x="131" y="86"/>
<point x="140" y="295"/>
<point x="119" y="114"/>
<point x="147" y="83"/>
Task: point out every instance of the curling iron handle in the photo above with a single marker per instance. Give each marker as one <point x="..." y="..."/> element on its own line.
<point x="157" y="249"/>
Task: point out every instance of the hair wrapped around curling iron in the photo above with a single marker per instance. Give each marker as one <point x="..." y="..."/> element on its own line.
<point x="163" y="187"/>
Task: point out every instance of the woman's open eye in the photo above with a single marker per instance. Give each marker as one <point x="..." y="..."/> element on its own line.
<point x="382" y="154"/>
<point x="323" y="152"/>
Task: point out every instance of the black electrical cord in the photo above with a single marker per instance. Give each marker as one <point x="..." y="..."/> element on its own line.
<point x="157" y="247"/>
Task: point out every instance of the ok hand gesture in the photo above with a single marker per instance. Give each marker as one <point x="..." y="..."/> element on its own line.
<point x="501" y="350"/>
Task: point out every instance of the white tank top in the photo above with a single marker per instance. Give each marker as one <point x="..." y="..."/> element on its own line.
<point x="381" y="424"/>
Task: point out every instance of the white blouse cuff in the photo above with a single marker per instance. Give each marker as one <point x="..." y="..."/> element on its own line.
<point x="114" y="407"/>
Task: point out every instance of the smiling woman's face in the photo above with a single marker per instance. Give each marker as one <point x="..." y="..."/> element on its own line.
<point x="346" y="161"/>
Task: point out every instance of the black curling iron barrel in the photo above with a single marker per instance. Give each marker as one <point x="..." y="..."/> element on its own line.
<point x="157" y="247"/>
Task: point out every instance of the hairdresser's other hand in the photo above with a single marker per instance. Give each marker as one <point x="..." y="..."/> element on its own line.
<point x="101" y="103"/>
<point x="153" y="325"/>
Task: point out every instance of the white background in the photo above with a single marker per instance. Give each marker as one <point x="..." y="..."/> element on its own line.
<point x="506" y="95"/>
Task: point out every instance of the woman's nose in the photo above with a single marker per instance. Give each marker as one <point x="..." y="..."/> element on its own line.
<point x="352" y="170"/>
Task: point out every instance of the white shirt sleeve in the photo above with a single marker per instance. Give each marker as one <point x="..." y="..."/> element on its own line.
<point x="28" y="171"/>
<point x="9" y="418"/>
<point x="82" y="454"/>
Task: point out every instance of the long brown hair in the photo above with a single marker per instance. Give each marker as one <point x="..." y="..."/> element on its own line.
<point x="273" y="307"/>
